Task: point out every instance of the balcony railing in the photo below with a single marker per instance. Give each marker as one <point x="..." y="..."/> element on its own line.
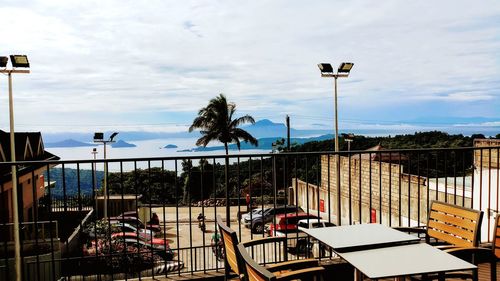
<point x="392" y="187"/>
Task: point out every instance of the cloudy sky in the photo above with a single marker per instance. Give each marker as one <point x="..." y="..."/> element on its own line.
<point x="151" y="65"/>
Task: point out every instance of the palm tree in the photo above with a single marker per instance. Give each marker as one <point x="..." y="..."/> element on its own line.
<point x="215" y="122"/>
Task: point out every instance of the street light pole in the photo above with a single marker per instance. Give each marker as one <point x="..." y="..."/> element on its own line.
<point x="94" y="152"/>
<point x="343" y="71"/>
<point x="99" y="138"/>
<point x="17" y="61"/>
<point x="336" y="118"/>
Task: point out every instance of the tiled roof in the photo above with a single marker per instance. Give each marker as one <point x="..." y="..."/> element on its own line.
<point x="29" y="147"/>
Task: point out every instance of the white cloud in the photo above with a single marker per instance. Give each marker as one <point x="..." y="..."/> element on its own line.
<point x="90" y="57"/>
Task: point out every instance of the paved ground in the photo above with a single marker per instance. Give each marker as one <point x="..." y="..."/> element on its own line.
<point x="189" y="232"/>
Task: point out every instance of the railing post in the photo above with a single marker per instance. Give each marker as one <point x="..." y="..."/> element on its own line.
<point x="228" y="207"/>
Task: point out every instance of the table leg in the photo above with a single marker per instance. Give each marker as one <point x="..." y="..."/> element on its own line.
<point x="358" y="276"/>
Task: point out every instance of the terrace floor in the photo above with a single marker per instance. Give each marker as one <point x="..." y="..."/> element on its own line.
<point x="333" y="272"/>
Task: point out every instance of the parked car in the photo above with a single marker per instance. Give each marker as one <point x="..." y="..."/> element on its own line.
<point x="125" y="227"/>
<point x="256" y="223"/>
<point x="136" y="222"/>
<point x="288" y="223"/>
<point x="298" y="240"/>
<point x="142" y="240"/>
<point x="252" y="214"/>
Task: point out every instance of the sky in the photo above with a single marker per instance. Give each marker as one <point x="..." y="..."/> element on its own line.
<point x="151" y="65"/>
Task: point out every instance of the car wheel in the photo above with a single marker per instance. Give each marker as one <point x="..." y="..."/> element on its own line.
<point x="302" y="247"/>
<point x="258" y="228"/>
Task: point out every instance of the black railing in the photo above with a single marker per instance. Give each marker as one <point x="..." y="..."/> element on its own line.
<point x="392" y="187"/>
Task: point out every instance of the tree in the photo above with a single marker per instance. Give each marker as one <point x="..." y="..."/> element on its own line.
<point x="216" y="122"/>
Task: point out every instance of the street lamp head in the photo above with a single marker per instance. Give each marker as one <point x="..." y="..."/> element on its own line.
<point x="325" y="68"/>
<point x="3" y="61"/>
<point x="113" y="135"/>
<point x="19" y="61"/>
<point x="98" y="136"/>
<point x="345" y="67"/>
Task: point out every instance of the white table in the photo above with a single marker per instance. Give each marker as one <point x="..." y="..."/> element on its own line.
<point x="378" y="251"/>
<point x="347" y="238"/>
<point x="404" y="260"/>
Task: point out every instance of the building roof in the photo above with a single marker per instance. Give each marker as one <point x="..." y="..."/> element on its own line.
<point x="29" y="147"/>
<point x="377" y="155"/>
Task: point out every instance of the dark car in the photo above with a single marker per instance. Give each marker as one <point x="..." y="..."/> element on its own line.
<point x="257" y="221"/>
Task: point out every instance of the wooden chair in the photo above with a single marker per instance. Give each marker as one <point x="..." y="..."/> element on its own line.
<point x="450" y="226"/>
<point x="234" y="263"/>
<point x="257" y="272"/>
<point x="456" y="230"/>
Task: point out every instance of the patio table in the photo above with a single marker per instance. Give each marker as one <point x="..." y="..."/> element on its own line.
<point x="360" y="236"/>
<point x="377" y="251"/>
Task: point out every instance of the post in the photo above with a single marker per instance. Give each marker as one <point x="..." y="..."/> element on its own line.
<point x="105" y="187"/>
<point x="228" y="206"/>
<point x="288" y="133"/>
<point x="15" y="207"/>
<point x="336" y="119"/>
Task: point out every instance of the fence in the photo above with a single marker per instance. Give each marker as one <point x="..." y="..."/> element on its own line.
<point x="392" y="187"/>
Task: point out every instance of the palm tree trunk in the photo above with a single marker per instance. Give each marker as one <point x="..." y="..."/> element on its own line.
<point x="226" y="171"/>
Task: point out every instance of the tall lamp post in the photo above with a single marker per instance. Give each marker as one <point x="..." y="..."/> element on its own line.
<point x="94" y="152"/>
<point x="99" y="138"/>
<point x="343" y="71"/>
<point x="22" y="62"/>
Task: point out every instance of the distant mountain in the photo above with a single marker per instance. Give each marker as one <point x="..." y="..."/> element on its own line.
<point x="122" y="144"/>
<point x="264" y="143"/>
<point x="67" y="143"/>
<point x="170" y="146"/>
<point x="261" y="129"/>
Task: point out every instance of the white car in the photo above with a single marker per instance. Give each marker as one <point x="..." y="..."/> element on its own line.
<point x="125" y="227"/>
<point x="245" y="218"/>
<point x="299" y="241"/>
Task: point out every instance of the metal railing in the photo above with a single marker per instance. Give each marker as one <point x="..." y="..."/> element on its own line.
<point x="392" y="187"/>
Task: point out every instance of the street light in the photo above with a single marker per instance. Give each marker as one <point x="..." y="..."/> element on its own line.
<point x="348" y="138"/>
<point x="99" y="138"/>
<point x="94" y="152"/>
<point x="343" y="71"/>
<point x="16" y="61"/>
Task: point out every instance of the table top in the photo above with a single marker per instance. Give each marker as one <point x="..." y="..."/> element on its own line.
<point x="404" y="260"/>
<point x="360" y="236"/>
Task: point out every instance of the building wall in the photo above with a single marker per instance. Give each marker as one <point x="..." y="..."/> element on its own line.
<point x="370" y="188"/>
<point x="486" y="184"/>
<point x="33" y="189"/>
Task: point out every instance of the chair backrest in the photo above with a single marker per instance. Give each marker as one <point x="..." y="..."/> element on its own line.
<point x="496" y="237"/>
<point x="230" y="241"/>
<point x="254" y="271"/>
<point x="455" y="225"/>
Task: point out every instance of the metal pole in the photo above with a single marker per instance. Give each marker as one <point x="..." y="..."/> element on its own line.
<point x="17" y="240"/>
<point x="337" y="156"/>
<point x="105" y="184"/>
<point x="336" y="120"/>
<point x="288" y="133"/>
<point x="95" y="184"/>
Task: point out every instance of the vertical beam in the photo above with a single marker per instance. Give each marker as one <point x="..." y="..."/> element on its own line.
<point x="17" y="240"/>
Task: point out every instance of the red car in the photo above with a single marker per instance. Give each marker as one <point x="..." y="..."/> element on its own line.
<point x="144" y="240"/>
<point x="288" y="222"/>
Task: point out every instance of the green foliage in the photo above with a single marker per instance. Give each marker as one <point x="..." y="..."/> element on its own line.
<point x="72" y="186"/>
<point x="217" y="124"/>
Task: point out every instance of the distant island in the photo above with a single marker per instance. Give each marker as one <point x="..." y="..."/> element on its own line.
<point x="67" y="143"/>
<point x="184" y="150"/>
<point x="170" y="146"/>
<point x="122" y="144"/>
